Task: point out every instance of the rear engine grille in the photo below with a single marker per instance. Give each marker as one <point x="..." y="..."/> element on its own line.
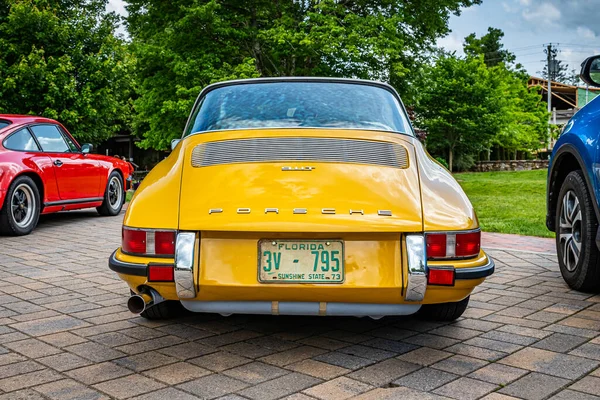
<point x="300" y="149"/>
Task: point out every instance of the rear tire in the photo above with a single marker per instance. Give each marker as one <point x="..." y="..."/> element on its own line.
<point x="164" y="310"/>
<point x="443" y="311"/>
<point x="114" y="196"/>
<point x="21" y="210"/>
<point x="576" y="226"/>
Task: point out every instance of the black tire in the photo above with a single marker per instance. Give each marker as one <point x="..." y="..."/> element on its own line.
<point x="576" y="226"/>
<point x="444" y="311"/>
<point x="114" y="196"/>
<point x="28" y="209"/>
<point x="165" y="310"/>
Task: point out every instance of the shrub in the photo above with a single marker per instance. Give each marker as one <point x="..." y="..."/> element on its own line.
<point x="442" y="161"/>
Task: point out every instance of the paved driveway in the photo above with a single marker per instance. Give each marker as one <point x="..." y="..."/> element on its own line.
<point x="65" y="333"/>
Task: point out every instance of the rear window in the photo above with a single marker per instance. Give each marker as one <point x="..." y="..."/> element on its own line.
<point x="299" y="105"/>
<point x="21" y="141"/>
<point x="4" y="123"/>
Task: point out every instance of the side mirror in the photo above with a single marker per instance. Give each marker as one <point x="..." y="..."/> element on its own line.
<point x="174" y="143"/>
<point x="87" y="148"/>
<point x="590" y="71"/>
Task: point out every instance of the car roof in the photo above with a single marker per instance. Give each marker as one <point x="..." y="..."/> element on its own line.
<point x="21" y="119"/>
<point x="314" y="79"/>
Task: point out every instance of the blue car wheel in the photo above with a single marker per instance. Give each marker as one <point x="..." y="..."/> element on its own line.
<point x="576" y="226"/>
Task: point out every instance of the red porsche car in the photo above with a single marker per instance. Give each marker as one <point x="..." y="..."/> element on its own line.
<point x="44" y="170"/>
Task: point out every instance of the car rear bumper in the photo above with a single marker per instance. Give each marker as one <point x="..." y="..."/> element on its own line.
<point x="305" y="299"/>
<point x="301" y="308"/>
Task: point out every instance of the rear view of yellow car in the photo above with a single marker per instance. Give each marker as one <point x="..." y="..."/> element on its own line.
<point x="300" y="196"/>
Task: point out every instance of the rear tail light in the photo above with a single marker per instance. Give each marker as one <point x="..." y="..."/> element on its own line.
<point x="441" y="276"/>
<point x="468" y="244"/>
<point x="444" y="245"/>
<point x="148" y="242"/>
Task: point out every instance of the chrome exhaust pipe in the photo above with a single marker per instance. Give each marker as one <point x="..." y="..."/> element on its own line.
<point x="147" y="298"/>
<point x="136" y="304"/>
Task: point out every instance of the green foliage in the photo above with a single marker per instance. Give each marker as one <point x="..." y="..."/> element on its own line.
<point x="525" y="117"/>
<point x="472" y="103"/>
<point x="508" y="202"/>
<point x="442" y="161"/>
<point x="460" y="107"/>
<point x="183" y="45"/>
<point x="490" y="46"/>
<point x="61" y="59"/>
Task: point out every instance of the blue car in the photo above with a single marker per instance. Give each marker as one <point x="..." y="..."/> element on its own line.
<point x="574" y="191"/>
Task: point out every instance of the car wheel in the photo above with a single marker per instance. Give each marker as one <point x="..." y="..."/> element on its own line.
<point x="576" y="227"/>
<point x="114" y="196"/>
<point x="21" y="210"/>
<point x="443" y="311"/>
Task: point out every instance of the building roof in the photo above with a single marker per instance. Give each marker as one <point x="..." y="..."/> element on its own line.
<point x="564" y="96"/>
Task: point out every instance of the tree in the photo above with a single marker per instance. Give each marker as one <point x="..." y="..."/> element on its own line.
<point x="62" y="60"/>
<point x="490" y="46"/>
<point x="524" y="116"/>
<point x="558" y="73"/>
<point x="460" y="106"/>
<point x="572" y="77"/>
<point x="183" y="45"/>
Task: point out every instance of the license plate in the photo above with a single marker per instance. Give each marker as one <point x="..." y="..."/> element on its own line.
<point x="300" y="261"/>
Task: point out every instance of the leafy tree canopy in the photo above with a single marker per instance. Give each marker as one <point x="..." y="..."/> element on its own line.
<point x="490" y="46"/>
<point x="470" y="104"/>
<point x="60" y="59"/>
<point x="460" y="107"/>
<point x="183" y="45"/>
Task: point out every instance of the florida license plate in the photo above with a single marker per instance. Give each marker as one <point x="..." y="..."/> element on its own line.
<point x="300" y="261"/>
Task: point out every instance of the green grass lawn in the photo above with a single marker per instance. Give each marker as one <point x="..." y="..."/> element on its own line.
<point x="508" y="202"/>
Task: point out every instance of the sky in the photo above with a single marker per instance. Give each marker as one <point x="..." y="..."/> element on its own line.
<point x="528" y="25"/>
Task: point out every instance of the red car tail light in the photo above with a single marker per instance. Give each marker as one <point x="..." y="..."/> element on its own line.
<point x="161" y="273"/>
<point x="148" y="242"/>
<point x="468" y="244"/>
<point x="441" y="276"/>
<point x="134" y="241"/>
<point x="436" y="245"/>
<point x="164" y="242"/>
<point x="444" y="245"/>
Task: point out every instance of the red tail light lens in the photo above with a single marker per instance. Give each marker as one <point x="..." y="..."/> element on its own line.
<point x="164" y="243"/>
<point x="444" y="245"/>
<point x="436" y="245"/>
<point x="134" y="241"/>
<point x="443" y="277"/>
<point x="161" y="273"/>
<point x="148" y="242"/>
<point x="468" y="244"/>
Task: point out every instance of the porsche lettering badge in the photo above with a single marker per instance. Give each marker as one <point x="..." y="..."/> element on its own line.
<point x="384" y="213"/>
<point x="297" y="168"/>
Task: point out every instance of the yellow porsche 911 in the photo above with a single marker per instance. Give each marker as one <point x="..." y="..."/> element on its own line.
<point x="300" y="196"/>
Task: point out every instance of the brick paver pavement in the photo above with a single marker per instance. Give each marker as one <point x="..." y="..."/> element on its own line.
<point x="65" y="333"/>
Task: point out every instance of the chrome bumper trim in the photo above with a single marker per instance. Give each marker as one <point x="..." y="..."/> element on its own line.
<point x="184" y="265"/>
<point x="417" y="268"/>
<point x="300" y="308"/>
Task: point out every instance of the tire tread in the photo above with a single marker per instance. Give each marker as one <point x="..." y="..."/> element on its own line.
<point x="444" y="311"/>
